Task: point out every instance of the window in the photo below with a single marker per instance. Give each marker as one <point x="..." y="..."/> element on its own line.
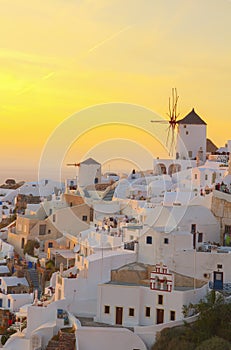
<point x="71" y="204"/>
<point x="200" y="237"/>
<point x="84" y="217"/>
<point x="96" y="181"/>
<point x="190" y="154"/>
<point x="160" y="299"/>
<point x="0" y="281"/>
<point x="8" y="303"/>
<point x="166" y="241"/>
<point x="227" y="229"/>
<point x="172" y="315"/>
<point x="131" y="312"/>
<point x="195" y="176"/>
<point x="206" y="177"/>
<point x="22" y="243"/>
<point x="54" y="217"/>
<point x="193" y="228"/>
<point x="50" y="212"/>
<point x="149" y="240"/>
<point x="184" y="126"/>
<point x="50" y="245"/>
<point x="49" y="231"/>
<point x="147" y="311"/>
<point x="131" y="237"/>
<point x="186" y="132"/>
<point x="106" y="309"/>
<point x="219" y="266"/>
<point x="42" y="230"/>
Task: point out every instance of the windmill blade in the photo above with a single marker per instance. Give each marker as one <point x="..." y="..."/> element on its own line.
<point x="172" y="115"/>
<point x="172" y="146"/>
<point x="159" y="121"/>
<point x="167" y="140"/>
<point x="73" y="164"/>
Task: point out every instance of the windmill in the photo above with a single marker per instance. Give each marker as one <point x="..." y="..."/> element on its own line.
<point x="173" y="115"/>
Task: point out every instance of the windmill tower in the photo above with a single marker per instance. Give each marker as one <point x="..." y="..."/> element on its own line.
<point x="191" y="137"/>
<point x="189" y="142"/>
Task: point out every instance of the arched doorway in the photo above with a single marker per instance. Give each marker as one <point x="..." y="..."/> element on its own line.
<point x="174" y="168"/>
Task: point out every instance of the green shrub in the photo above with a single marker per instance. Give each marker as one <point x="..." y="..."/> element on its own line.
<point x="214" y="343"/>
<point x="4" y="338"/>
<point x="29" y="247"/>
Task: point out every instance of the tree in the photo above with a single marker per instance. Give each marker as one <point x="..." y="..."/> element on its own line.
<point x="213" y="325"/>
<point x="29" y="247"/>
<point x="214" y="343"/>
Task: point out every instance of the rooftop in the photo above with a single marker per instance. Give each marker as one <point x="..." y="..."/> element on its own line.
<point x="192" y="118"/>
<point x="90" y="161"/>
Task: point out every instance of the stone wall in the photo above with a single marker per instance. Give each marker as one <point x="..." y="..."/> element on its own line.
<point x="73" y="200"/>
<point x="221" y="209"/>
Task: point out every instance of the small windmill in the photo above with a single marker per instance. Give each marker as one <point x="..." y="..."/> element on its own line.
<point x="173" y="115"/>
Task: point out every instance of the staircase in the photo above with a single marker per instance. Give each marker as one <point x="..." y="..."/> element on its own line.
<point x="109" y="192"/>
<point x="34" y="280"/>
<point x="62" y="341"/>
<point x="109" y="195"/>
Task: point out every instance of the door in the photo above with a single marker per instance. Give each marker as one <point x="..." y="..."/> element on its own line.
<point x="217" y="280"/>
<point x="119" y="315"/>
<point x="159" y="316"/>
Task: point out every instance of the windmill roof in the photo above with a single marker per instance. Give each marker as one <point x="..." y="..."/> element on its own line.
<point x="90" y="161"/>
<point x="192" y="118"/>
<point x="210" y="146"/>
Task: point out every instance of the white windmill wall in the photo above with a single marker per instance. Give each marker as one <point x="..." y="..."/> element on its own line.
<point x="88" y="173"/>
<point x="190" y="139"/>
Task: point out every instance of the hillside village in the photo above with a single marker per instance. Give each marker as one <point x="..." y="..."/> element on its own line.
<point x="101" y="262"/>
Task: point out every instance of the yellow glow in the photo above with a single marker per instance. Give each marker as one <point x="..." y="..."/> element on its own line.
<point x="62" y="56"/>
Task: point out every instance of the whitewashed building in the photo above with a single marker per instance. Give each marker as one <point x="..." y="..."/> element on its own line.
<point x="129" y="305"/>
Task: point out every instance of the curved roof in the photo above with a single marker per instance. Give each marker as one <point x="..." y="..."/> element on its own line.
<point x="192" y="118"/>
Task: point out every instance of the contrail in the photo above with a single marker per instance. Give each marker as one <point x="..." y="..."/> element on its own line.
<point x="48" y="76"/>
<point x="109" y="38"/>
<point x="95" y="47"/>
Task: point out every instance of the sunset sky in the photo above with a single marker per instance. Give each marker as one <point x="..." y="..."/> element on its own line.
<point x="59" y="57"/>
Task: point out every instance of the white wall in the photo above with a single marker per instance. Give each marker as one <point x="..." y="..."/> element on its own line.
<point x="192" y="141"/>
<point x="88" y="173"/>
<point x="18" y="300"/>
<point x="38" y="315"/>
<point x="81" y="292"/>
<point x="197" y="264"/>
<point x="138" y="298"/>
<point x="108" y="338"/>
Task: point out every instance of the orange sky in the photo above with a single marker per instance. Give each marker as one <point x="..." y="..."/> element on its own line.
<point x="61" y="56"/>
